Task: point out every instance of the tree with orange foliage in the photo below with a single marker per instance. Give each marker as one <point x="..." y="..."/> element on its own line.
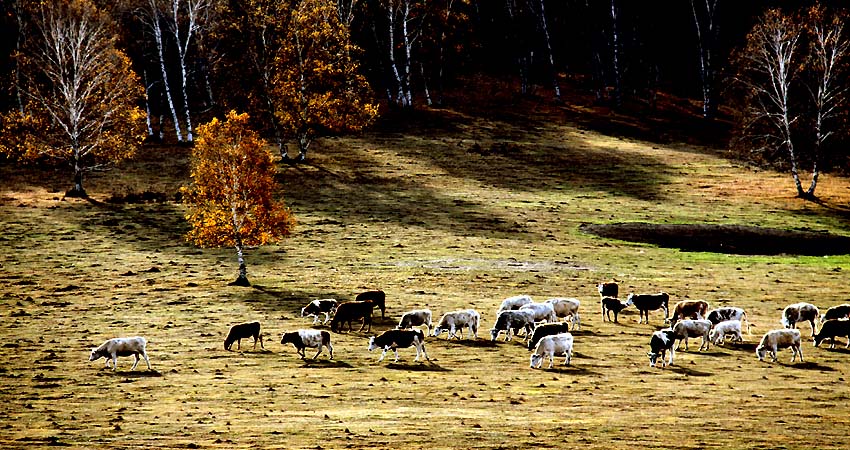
<point x="318" y="86"/>
<point x="230" y="199"/>
<point x="79" y="93"/>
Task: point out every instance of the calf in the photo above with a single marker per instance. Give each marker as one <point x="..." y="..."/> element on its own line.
<point x="799" y="312"/>
<point x="514" y="302"/>
<point x="378" y="299"/>
<point x="115" y="347"/>
<point x="841" y="311"/>
<point x="649" y="302"/>
<point x="549" y="346"/>
<point x="415" y="318"/>
<point x="454" y="321"/>
<point x="693" y="309"/>
<point x="610" y="304"/>
<point x="546" y="329"/>
<point x="326" y="306"/>
<point x="725" y="313"/>
<point x="243" y="331"/>
<point x="660" y="342"/>
<point x="687" y="328"/>
<point x="718" y="333"/>
<point x="396" y="339"/>
<point x="567" y="307"/>
<point x="542" y="312"/>
<point x="513" y="320"/>
<point x="832" y="328"/>
<point x="302" y="339"/>
<point x="608" y="290"/>
<point x="773" y="340"/>
<point x="348" y="312"/>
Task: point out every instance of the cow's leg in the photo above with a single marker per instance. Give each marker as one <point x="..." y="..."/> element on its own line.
<point x="147" y="361"/>
<point x="383" y="354"/>
<point x="318" y="352"/>
<point x="569" y="357"/>
<point x="422" y="346"/>
<point x="135" y="362"/>
<point x="239" y="344"/>
<point x="800" y="352"/>
<point x="396" y="354"/>
<point x="114" y="362"/>
<point x="551" y="359"/>
<point x="330" y="350"/>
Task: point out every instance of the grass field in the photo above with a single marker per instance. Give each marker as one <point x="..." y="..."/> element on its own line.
<point x="448" y="209"/>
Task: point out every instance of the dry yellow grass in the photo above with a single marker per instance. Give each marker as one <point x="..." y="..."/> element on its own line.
<point x="463" y="214"/>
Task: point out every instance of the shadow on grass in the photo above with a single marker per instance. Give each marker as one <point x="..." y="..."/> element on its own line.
<point x="429" y="366"/>
<point x="324" y="363"/>
<point x="131" y="374"/>
<point x="570" y="369"/>
<point x="688" y="372"/>
<point x="476" y="343"/>
<point x="808" y="365"/>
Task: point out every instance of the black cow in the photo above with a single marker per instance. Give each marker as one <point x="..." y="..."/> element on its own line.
<point x="649" y="302"/>
<point x="612" y="304"/>
<point x="243" y="331"/>
<point x="378" y="299"/>
<point x="832" y="328"/>
<point x="348" y="312"/>
<point x="659" y="344"/>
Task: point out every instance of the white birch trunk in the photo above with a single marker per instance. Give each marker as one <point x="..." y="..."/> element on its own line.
<point x="157" y="34"/>
<point x="545" y="27"/>
<point x="615" y="50"/>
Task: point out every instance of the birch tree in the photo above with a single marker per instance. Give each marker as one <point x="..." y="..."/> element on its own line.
<point x="318" y="86"/>
<point x="705" y="20"/>
<point x="79" y="93"/>
<point x="230" y="199"/>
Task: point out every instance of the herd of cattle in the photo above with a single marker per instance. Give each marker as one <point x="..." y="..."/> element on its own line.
<point x="545" y="326"/>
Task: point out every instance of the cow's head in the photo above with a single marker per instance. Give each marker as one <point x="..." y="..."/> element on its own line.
<point x="630" y="299"/>
<point x="494" y="333"/>
<point x="760" y="351"/>
<point x="536" y="360"/>
<point x="372" y="345"/>
<point x="94" y="355"/>
<point x="653" y="358"/>
<point x="437" y="331"/>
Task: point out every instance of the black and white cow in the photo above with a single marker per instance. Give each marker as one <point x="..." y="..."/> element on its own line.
<point x="326" y="306"/>
<point x="396" y="339"/>
<point x="722" y="314"/>
<point x="243" y="331"/>
<point x="649" y="302"/>
<point x="841" y="311"/>
<point x="800" y="312"/>
<point x="660" y="342"/>
<point x="513" y="321"/>
<point x="302" y="339"/>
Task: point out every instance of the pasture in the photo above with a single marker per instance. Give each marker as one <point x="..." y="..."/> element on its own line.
<point x="448" y="209"/>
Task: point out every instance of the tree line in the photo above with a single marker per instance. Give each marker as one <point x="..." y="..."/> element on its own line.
<point x="304" y="68"/>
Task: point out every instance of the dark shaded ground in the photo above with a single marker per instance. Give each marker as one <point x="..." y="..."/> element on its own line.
<point x="736" y="239"/>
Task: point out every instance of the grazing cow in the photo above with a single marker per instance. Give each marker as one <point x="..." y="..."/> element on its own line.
<point x="542" y="312"/>
<point x="514" y="302"/>
<point x="773" y="340"/>
<point x="567" y="307"/>
<point x="687" y="328"/>
<point x="610" y="304"/>
<point x="454" y="321"/>
<point x="732" y="328"/>
<point x="378" y="299"/>
<point x="415" y="318"/>
<point x="546" y="329"/>
<point x="832" y="328"/>
<point x="799" y="312"/>
<point x="302" y="339"/>
<point x="549" y="346"/>
<point x="725" y="313"/>
<point x="396" y="339"/>
<point x="513" y="321"/>
<point x="326" y="306"/>
<point x="243" y="331"/>
<point x="608" y="290"/>
<point x="688" y="309"/>
<point x="841" y="311"/>
<point x="660" y="342"/>
<point x="649" y="302"/>
<point x="348" y="312"/>
<point x="115" y="347"/>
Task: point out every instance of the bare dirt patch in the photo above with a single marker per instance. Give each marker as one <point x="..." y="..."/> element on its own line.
<point x="736" y="239"/>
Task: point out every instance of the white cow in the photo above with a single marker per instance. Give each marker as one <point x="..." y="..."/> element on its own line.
<point x="543" y="312"/>
<point x="453" y="322"/>
<point x="113" y="348"/>
<point x="415" y="318"/>
<point x="514" y="302"/>
<point x="684" y="329"/>
<point x="726" y="328"/>
<point x="800" y="312"/>
<point x="549" y="346"/>
<point x="567" y="307"/>
<point x="773" y="340"/>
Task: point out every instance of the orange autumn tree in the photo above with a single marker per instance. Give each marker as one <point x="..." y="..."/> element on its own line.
<point x="230" y="198"/>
